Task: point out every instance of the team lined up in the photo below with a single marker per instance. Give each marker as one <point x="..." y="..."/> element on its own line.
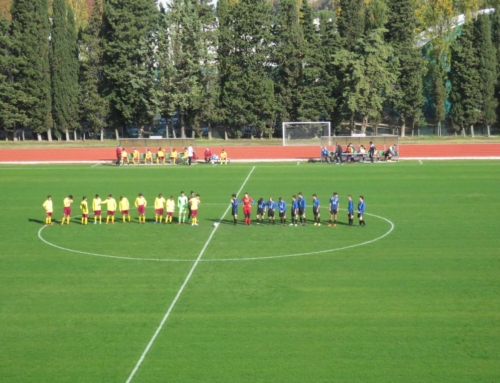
<point x="162" y="206"/>
<point x="298" y="210"/>
<point x="188" y="206"/>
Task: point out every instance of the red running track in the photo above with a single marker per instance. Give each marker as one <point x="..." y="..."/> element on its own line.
<point x="251" y="153"/>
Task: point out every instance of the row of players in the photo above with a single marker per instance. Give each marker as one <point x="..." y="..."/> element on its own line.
<point x="190" y="205"/>
<point x="298" y="210"/>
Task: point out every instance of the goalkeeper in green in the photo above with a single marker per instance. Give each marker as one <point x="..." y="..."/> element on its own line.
<point x="182" y="204"/>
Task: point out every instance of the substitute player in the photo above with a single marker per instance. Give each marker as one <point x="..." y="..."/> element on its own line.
<point x="84" y="207"/>
<point x="125" y="157"/>
<point x="361" y="210"/>
<point x="261" y="210"/>
<point x="148" y="157"/>
<point x="96" y="207"/>
<point x="67" y="209"/>
<point x="48" y="205"/>
<point x="140" y="203"/>
<point x="173" y="156"/>
<point x="334" y="209"/>
<point x="136" y="157"/>
<point x="194" y="202"/>
<point x="301" y="201"/>
<point x="350" y="210"/>
<point x="282" y="211"/>
<point x="160" y="156"/>
<point x="271" y="209"/>
<point x="182" y="204"/>
<point x="247" y="202"/>
<point x="295" y="210"/>
<point x="111" y="203"/>
<point x="170" y="209"/>
<point x="223" y="157"/>
<point x="316" y="212"/>
<point x="159" y="206"/>
<point x="234" y="208"/>
<point x="124" y="207"/>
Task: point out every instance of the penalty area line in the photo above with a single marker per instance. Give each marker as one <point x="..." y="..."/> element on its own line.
<point x="181" y="289"/>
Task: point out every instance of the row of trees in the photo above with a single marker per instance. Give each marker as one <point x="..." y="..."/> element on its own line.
<point x="244" y="64"/>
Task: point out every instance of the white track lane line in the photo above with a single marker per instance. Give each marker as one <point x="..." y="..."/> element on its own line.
<point x="188" y="277"/>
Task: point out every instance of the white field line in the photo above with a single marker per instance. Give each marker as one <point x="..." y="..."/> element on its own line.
<point x="188" y="277"/>
<point x="421" y="163"/>
<point x="99" y="163"/>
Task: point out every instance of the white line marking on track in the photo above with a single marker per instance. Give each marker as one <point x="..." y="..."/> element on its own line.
<point x="188" y="277"/>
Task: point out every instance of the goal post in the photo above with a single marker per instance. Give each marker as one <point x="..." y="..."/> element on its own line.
<point x="305" y="133"/>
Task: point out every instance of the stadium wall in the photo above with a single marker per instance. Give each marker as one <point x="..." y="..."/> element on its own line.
<point x="251" y="153"/>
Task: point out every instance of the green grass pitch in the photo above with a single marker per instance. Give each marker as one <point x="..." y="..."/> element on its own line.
<point x="418" y="302"/>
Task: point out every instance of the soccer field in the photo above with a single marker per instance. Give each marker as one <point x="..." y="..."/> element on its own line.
<point x="414" y="296"/>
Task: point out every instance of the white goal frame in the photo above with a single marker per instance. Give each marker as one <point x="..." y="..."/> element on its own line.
<point x="284" y="124"/>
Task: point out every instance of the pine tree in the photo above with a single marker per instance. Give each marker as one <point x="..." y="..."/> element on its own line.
<point x="64" y="65"/>
<point x="289" y="54"/>
<point x="129" y="36"/>
<point x="487" y="70"/>
<point x="248" y="91"/>
<point x="408" y="97"/>
<point x="93" y="107"/>
<point x="351" y="22"/>
<point x="464" y="76"/>
<point x="30" y="32"/>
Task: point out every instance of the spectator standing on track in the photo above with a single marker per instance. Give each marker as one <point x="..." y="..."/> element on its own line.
<point x="371" y="152"/>
<point x="338" y="154"/>
<point x="118" y="155"/>
<point x="208" y="156"/>
<point x="190" y="154"/>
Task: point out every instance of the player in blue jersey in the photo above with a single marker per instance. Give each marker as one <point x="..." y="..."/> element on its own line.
<point x="261" y="210"/>
<point x="271" y="209"/>
<point x="361" y="210"/>
<point x="302" y="209"/>
<point x="350" y="210"/>
<point x="295" y="210"/>
<point x="334" y="208"/>
<point x="316" y="213"/>
<point x="282" y="211"/>
<point x="234" y="208"/>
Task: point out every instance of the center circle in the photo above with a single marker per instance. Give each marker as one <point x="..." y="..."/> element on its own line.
<point x="391" y="228"/>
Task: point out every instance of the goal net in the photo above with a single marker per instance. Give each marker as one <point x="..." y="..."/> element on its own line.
<point x="153" y="143"/>
<point x="305" y="133"/>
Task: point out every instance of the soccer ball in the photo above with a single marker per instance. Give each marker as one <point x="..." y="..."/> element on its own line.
<point x="216" y="224"/>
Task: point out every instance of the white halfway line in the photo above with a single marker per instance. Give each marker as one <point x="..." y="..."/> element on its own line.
<point x="188" y="277"/>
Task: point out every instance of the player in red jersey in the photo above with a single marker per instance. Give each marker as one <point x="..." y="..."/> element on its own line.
<point x="247" y="202"/>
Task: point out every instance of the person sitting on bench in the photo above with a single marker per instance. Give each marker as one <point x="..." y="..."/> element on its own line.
<point x="208" y="156"/>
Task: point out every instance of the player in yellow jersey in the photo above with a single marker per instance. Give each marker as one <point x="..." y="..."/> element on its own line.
<point x="124" y="207"/>
<point x="84" y="207"/>
<point x="160" y="156"/>
<point x="170" y="209"/>
<point x="140" y="204"/>
<point x="136" y="157"/>
<point x="96" y="207"/>
<point x="194" y="202"/>
<point x="67" y="209"/>
<point x="125" y="157"/>
<point x="173" y="156"/>
<point x="223" y="157"/>
<point x="159" y="206"/>
<point x="48" y="205"/>
<point x="111" y="202"/>
<point x="148" y="157"/>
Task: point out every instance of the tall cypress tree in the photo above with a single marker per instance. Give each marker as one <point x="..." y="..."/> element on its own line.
<point x="30" y="32"/>
<point x="487" y="70"/>
<point x="464" y="76"/>
<point x="351" y="22"/>
<point x="408" y="98"/>
<point x="64" y="60"/>
<point x="129" y="37"/>
<point x="248" y="92"/>
<point x="93" y="106"/>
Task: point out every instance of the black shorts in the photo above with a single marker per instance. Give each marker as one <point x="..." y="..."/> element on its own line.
<point x="350" y="213"/>
<point x="282" y="214"/>
<point x="315" y="212"/>
<point x="360" y="215"/>
<point x="270" y="213"/>
<point x="301" y="211"/>
<point x="260" y="211"/>
<point x="234" y="211"/>
<point x="334" y="211"/>
<point x="292" y="212"/>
